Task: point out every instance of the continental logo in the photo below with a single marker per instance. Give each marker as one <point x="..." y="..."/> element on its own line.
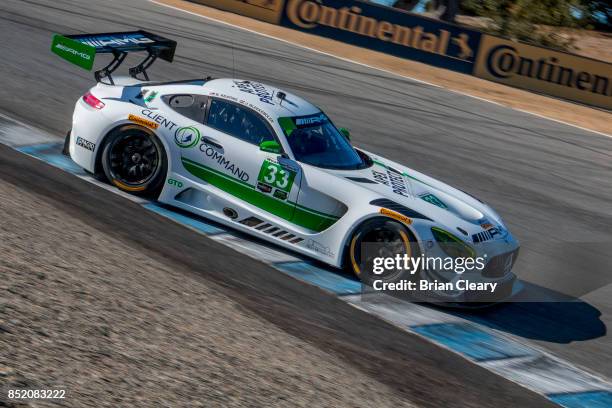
<point x="310" y="14"/>
<point x="396" y="215"/>
<point x="543" y="70"/>
<point x="143" y="121"/>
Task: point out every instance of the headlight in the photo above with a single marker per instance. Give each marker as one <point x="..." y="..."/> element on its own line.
<point x="452" y="245"/>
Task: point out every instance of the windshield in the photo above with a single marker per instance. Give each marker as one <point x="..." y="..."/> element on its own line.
<point x="315" y="140"/>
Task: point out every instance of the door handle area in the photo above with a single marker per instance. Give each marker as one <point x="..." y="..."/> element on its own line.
<point x="212" y="142"/>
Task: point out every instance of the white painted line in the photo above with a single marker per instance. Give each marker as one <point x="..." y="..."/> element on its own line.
<point x="540" y="372"/>
<point x="376" y="68"/>
<point x="565" y="123"/>
<point x="255" y="250"/>
<point x="547" y="375"/>
<point x="398" y="312"/>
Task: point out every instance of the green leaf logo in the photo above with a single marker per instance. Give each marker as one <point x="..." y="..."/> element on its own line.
<point x="187" y="137"/>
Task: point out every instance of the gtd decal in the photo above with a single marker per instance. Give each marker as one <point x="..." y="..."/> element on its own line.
<point x="175" y="183"/>
<point x="187" y="137"/>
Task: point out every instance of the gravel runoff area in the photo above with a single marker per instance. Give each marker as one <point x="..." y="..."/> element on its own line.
<point x="115" y="328"/>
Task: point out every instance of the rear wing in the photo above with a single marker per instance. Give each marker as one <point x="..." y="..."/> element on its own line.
<point x="81" y="49"/>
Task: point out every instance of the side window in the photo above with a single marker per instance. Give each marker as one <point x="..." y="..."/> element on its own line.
<point x="238" y="121"/>
<point x="191" y="106"/>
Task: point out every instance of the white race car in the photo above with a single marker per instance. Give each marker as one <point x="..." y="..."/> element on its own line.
<point x="270" y="164"/>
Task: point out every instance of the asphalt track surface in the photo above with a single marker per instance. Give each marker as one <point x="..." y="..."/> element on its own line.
<point x="550" y="182"/>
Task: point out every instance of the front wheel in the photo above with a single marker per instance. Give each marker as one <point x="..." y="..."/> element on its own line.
<point x="134" y="160"/>
<point x="378" y="239"/>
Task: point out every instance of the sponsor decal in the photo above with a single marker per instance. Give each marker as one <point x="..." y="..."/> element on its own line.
<point x="151" y="96"/>
<point x="386" y="26"/>
<point x="280" y="194"/>
<point x="116" y="40"/>
<point x="259" y="110"/>
<point x="275" y="175"/>
<point x="544" y="70"/>
<point x="257" y="89"/>
<point x="224" y="96"/>
<point x="143" y="122"/>
<point x="380" y="177"/>
<point x="245" y="103"/>
<point x="396" y="215"/>
<point x="226" y="164"/>
<point x="187" y="137"/>
<point x="73" y="51"/>
<point x="495" y="231"/>
<point x="393" y="179"/>
<point x="159" y="119"/>
<point x="319" y="247"/>
<point x="432" y="199"/>
<point x="85" y="144"/>
<point x="175" y="183"/>
<point x="311" y="120"/>
<point x="264" y="188"/>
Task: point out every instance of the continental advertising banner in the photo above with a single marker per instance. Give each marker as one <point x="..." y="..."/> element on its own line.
<point x="387" y="30"/>
<point x="266" y="10"/>
<point x="543" y="70"/>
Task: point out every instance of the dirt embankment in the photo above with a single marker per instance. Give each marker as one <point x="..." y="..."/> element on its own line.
<point x="86" y="312"/>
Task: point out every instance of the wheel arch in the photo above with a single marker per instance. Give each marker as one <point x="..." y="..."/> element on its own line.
<point x="350" y="233"/>
<point x="120" y="128"/>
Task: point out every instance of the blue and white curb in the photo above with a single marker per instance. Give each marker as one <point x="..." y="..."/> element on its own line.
<point x="505" y="355"/>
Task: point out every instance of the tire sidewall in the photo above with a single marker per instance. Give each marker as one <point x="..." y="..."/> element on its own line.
<point x="367" y="277"/>
<point x="152" y="187"/>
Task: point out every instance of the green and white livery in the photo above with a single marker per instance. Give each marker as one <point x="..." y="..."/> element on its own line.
<point x="270" y="164"/>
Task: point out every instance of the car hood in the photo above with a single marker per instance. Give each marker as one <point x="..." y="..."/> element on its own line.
<point x="426" y="195"/>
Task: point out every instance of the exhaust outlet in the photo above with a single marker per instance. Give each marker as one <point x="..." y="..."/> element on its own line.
<point x="230" y="213"/>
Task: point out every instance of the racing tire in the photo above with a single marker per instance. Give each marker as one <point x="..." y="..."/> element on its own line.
<point x="66" y="148"/>
<point x="135" y="161"/>
<point x="380" y="237"/>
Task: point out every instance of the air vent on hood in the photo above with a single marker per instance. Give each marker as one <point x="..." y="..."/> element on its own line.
<point x="482" y="237"/>
<point x="362" y="180"/>
<point x="392" y="205"/>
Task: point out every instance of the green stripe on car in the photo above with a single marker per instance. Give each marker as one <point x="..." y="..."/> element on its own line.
<point x="295" y="213"/>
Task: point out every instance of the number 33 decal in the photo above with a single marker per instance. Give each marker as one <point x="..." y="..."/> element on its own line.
<point x="276" y="176"/>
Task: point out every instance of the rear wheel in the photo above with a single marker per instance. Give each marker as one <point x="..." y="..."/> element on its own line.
<point x="135" y="161"/>
<point x="66" y="149"/>
<point x="381" y="238"/>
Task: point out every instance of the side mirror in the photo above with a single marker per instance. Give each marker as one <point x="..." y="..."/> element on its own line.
<point x="270" y="146"/>
<point x="345" y="132"/>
